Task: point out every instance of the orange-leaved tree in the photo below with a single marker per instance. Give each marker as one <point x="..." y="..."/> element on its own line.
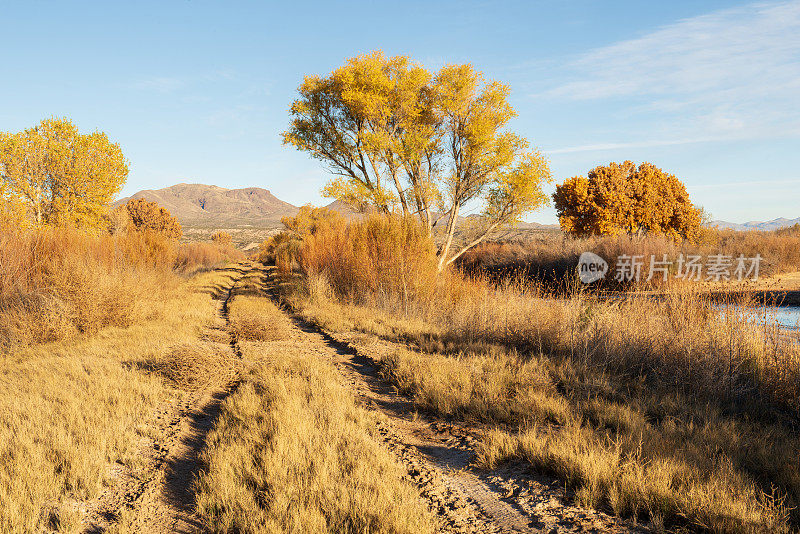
<point x="62" y="176"/>
<point x="221" y="238"/>
<point x="625" y="199"/>
<point x="144" y="215"/>
<point x="399" y="137"/>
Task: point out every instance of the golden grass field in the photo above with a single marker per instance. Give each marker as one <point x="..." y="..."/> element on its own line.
<point x="657" y="409"/>
<point x="666" y="410"/>
<point x="292" y="452"/>
<point x="70" y="409"/>
<point x="81" y="319"/>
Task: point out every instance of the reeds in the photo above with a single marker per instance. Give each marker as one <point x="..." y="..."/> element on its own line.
<point x="671" y="408"/>
<point x="56" y="283"/>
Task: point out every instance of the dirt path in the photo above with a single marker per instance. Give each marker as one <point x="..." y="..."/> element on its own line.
<point x="438" y="455"/>
<point x="159" y="497"/>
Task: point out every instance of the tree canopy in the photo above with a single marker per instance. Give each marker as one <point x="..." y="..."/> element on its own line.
<point x="61" y="175"/>
<point x="144" y="215"/>
<point x="399" y="137"/>
<point x="623" y="198"/>
<point x="222" y="238"/>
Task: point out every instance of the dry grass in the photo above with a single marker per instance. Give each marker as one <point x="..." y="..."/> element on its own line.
<point x="549" y="257"/>
<point x="666" y="409"/>
<point x="636" y="454"/>
<point x="256" y="319"/>
<point x="680" y="343"/>
<point x="57" y="283"/>
<point x="701" y="493"/>
<point x="252" y="316"/>
<point x="195" y="365"/>
<point x="292" y="452"/>
<point x="69" y="410"/>
<point x="197" y="255"/>
<point x="491" y="388"/>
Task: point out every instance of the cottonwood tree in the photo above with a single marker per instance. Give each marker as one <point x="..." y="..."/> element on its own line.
<point x="399" y="138"/>
<point x="144" y="215"/>
<point x="625" y="199"/>
<point x="13" y="211"/>
<point x="62" y="176"/>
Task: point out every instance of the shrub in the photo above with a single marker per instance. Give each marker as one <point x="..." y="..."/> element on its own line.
<point x="382" y="256"/>
<point x="191" y="256"/>
<point x="624" y="198"/>
<point x="58" y="282"/>
<point x="283" y="249"/>
<point x="550" y="257"/>
<point x="221" y="238"/>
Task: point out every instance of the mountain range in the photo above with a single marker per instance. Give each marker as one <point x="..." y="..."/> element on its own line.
<point x="205" y="205"/>
<point x="774" y="224"/>
<point x="199" y="205"/>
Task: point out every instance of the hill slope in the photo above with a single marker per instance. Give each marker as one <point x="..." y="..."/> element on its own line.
<point x="774" y="224"/>
<point x="201" y="205"/>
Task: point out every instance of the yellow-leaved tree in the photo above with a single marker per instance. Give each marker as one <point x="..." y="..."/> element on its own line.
<point x="622" y="198"/>
<point x="62" y="176"/>
<point x="398" y="137"/>
<point x="12" y="209"/>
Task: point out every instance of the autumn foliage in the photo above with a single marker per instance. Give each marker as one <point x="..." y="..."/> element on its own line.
<point x="622" y="198"/>
<point x="52" y="174"/>
<point x="283" y="248"/>
<point x="222" y="238"/>
<point x="400" y="138"/>
<point x="144" y="215"/>
<point x="385" y="257"/>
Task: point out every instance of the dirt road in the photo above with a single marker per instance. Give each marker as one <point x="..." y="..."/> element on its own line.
<point x="437" y="455"/>
<point x="159" y="497"/>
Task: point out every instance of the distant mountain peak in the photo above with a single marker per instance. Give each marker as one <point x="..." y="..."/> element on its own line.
<point x="774" y="224"/>
<point x="201" y="204"/>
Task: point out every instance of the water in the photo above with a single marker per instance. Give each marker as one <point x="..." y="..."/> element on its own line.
<point x="785" y="316"/>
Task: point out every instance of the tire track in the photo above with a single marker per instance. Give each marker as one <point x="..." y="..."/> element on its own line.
<point x="160" y="498"/>
<point x="438" y="456"/>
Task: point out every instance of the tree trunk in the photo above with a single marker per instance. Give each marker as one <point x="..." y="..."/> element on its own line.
<point x="451" y="226"/>
<point x="400" y="194"/>
<point x="38" y="206"/>
<point x="472" y="244"/>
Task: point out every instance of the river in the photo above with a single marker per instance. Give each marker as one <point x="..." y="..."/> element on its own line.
<point x="786" y="316"/>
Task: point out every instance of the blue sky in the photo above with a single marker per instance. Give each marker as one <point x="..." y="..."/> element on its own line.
<point x="198" y="91"/>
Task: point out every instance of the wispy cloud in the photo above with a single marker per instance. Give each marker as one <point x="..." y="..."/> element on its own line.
<point x="729" y="73"/>
<point x="746" y="184"/>
<point x="634" y="144"/>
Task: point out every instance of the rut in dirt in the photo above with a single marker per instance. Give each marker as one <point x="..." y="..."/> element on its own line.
<point x="185" y="462"/>
<point x="163" y="499"/>
<point x="183" y="469"/>
<point x="438" y="455"/>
